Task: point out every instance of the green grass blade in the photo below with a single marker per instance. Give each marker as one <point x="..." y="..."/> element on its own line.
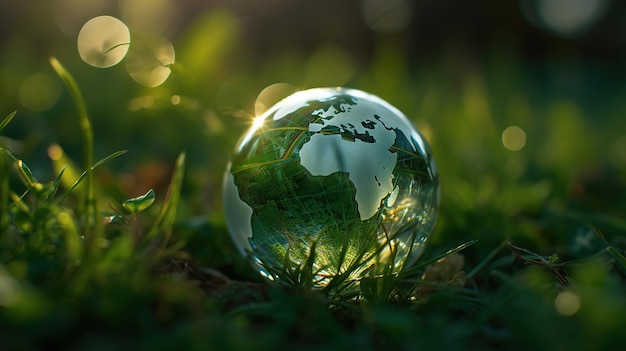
<point x="112" y="156"/>
<point x="57" y="180"/>
<point x="164" y="221"/>
<point x="96" y="165"/>
<point x="26" y="174"/>
<point x="89" y="203"/>
<point x="7" y="120"/>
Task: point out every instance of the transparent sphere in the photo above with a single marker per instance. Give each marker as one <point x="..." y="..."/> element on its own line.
<point x="331" y="182"/>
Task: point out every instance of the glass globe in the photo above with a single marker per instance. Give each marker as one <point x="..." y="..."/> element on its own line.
<point x="331" y="182"/>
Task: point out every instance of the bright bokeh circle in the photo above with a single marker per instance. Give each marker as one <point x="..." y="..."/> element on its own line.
<point x="149" y="60"/>
<point x="103" y="41"/>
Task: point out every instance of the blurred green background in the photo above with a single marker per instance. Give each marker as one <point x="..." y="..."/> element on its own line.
<point x="464" y="72"/>
<point x="523" y="103"/>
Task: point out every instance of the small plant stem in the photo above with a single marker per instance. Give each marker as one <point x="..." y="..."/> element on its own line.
<point x="536" y="259"/>
<point x="89" y="207"/>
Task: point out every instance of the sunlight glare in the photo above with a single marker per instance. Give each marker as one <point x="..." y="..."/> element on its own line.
<point x="257" y="122"/>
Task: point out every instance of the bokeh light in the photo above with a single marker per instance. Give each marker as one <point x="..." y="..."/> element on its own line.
<point x="103" y="41"/>
<point x="55" y="152"/>
<point x="149" y="60"/>
<point x="39" y="92"/>
<point x="564" y="17"/>
<point x="141" y="102"/>
<point x="567" y="303"/>
<point x="386" y="16"/>
<point x="514" y="138"/>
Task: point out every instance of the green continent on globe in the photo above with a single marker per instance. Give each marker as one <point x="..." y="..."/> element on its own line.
<point x="330" y="175"/>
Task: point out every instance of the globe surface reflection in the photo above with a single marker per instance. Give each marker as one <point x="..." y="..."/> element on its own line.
<point x="334" y="179"/>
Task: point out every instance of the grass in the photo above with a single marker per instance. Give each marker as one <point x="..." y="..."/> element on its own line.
<point x="528" y="250"/>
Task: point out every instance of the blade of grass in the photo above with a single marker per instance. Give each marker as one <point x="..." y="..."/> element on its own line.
<point x="26" y="174"/>
<point x="165" y="219"/>
<point x="89" y="203"/>
<point x="57" y="180"/>
<point x="7" y="120"/>
<point x="96" y="165"/>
